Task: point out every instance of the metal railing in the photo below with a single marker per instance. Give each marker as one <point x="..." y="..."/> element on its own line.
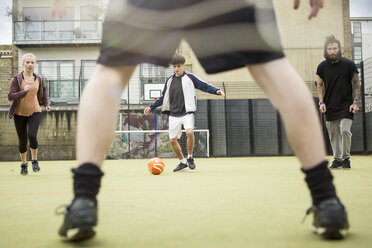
<point x="51" y="31"/>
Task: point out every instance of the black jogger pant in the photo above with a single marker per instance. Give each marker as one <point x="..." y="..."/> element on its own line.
<point x="27" y="128"/>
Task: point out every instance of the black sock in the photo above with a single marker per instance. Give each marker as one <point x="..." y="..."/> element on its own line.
<point x="319" y="180"/>
<point x="34" y="161"/>
<point x="87" y="181"/>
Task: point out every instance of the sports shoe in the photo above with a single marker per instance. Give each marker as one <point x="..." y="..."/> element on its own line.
<point x="336" y="164"/>
<point x="35" y="166"/>
<point x="330" y="219"/>
<point x="346" y="164"/>
<point x="181" y="167"/>
<point x="190" y="162"/>
<point x="24" y="170"/>
<point x="80" y="217"/>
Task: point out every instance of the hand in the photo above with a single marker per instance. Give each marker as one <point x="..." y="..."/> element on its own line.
<point x="27" y="88"/>
<point x="322" y="108"/>
<point x="147" y="110"/>
<point x="220" y="92"/>
<point x="47" y="108"/>
<point x="315" y="5"/>
<point x="354" y="108"/>
<point x="58" y="8"/>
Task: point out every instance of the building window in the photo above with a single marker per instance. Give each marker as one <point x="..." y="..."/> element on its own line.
<point x="152" y="79"/>
<point x="89" y="22"/>
<point x="87" y="67"/>
<point x="60" y="79"/>
<point x="357" y="54"/>
<point x="357" y="32"/>
<point x="154" y="74"/>
<point x="39" y="25"/>
<point x="44" y="14"/>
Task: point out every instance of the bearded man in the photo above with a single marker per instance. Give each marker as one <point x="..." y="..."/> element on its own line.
<point x="338" y="91"/>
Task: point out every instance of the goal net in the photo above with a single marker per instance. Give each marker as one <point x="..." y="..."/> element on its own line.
<point x="154" y="143"/>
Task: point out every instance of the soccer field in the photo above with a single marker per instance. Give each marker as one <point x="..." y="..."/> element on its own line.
<point x="225" y="202"/>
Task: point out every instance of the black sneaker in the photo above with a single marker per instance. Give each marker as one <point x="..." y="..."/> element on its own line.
<point x="190" y="162"/>
<point x="24" y="170"/>
<point x="346" y="164"/>
<point x="80" y="217"/>
<point x="330" y="219"/>
<point x="35" y="166"/>
<point x="336" y="164"/>
<point x="181" y="167"/>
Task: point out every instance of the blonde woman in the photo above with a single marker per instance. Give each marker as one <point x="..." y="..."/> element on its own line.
<point x="28" y="93"/>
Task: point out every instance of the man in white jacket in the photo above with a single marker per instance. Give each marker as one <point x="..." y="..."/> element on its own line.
<point x="179" y="102"/>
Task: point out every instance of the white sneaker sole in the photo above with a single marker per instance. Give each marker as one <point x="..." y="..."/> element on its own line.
<point x="184" y="169"/>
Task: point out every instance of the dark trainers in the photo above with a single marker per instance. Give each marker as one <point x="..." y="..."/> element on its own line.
<point x="336" y="164"/>
<point x="80" y="217"/>
<point x="24" y="170"/>
<point x="330" y="219"/>
<point x="181" y="167"/>
<point x="346" y="164"/>
<point x="190" y="162"/>
<point x="35" y="166"/>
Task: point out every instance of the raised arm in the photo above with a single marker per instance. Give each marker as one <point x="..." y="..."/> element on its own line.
<point x="315" y="5"/>
<point x="204" y="86"/>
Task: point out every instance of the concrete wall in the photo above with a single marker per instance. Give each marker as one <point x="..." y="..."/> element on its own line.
<point x="56" y="136"/>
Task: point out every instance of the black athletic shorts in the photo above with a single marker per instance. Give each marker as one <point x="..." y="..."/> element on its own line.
<point x="224" y="34"/>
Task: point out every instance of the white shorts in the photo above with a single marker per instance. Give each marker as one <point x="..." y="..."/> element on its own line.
<point x="175" y="124"/>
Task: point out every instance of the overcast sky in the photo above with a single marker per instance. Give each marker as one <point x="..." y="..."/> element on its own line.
<point x="358" y="8"/>
<point x="5" y="23"/>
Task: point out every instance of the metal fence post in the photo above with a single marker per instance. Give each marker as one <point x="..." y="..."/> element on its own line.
<point x="362" y="93"/>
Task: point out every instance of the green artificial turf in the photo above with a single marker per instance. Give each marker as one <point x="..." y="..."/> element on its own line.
<point x="226" y="202"/>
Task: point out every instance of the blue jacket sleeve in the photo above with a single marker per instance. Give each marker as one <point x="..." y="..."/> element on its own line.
<point x="203" y="86"/>
<point x="159" y="101"/>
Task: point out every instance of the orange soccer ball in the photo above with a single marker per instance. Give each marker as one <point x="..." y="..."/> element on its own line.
<point x="156" y="166"/>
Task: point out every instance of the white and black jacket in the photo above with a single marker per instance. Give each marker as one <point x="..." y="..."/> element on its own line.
<point x="190" y="82"/>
